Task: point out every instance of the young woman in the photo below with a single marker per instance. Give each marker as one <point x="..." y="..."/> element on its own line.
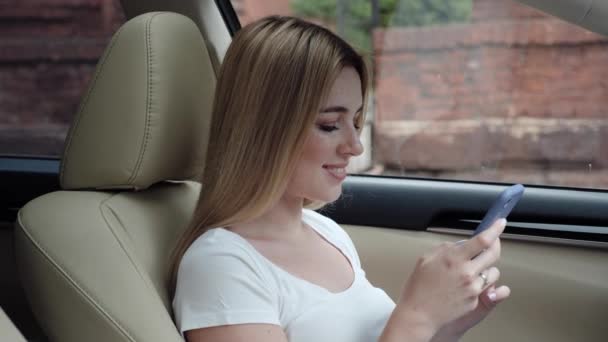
<point x="255" y="265"/>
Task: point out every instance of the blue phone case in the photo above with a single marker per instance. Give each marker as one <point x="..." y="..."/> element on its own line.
<point x="501" y="208"/>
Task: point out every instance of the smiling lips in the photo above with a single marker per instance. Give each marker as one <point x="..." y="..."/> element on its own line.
<point x="337" y="171"/>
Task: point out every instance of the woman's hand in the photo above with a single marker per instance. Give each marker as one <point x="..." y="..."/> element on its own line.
<point x="488" y="300"/>
<point x="446" y="285"/>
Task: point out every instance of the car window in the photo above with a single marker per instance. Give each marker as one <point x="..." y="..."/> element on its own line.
<point x="49" y="52"/>
<point x="482" y="90"/>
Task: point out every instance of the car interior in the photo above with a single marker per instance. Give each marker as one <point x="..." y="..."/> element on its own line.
<point x="86" y="253"/>
<point x="8" y="329"/>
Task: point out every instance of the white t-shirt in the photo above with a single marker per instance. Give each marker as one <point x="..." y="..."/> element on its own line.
<point x="222" y="280"/>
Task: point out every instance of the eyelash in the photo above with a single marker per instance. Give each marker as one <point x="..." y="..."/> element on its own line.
<point x="328" y="128"/>
<point x="331" y="128"/>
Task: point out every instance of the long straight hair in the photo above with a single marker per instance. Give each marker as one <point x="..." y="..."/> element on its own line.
<point x="275" y="75"/>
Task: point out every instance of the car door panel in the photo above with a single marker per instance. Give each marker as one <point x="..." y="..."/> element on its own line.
<point x="554" y="249"/>
<point x="559" y="293"/>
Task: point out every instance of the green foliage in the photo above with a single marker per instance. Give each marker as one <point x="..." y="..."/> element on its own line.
<point x="392" y="12"/>
<point x="357" y="14"/>
<point x="322" y="9"/>
<point x="424" y="12"/>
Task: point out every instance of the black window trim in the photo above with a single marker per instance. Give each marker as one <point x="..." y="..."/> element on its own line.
<point x="229" y="15"/>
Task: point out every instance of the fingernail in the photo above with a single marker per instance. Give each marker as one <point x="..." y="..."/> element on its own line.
<point x="460" y="242"/>
<point x="503" y="221"/>
<point x="492" y="296"/>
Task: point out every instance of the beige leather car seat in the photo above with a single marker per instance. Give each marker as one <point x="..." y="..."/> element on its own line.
<point x="93" y="258"/>
<point x="8" y="331"/>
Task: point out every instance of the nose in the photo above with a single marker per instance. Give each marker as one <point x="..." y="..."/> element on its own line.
<point x="351" y="144"/>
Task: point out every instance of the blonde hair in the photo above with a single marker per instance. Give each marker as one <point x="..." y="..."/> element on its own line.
<point x="276" y="74"/>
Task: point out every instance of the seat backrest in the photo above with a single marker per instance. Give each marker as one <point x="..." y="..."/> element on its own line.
<point x="94" y="257"/>
<point x="8" y="331"/>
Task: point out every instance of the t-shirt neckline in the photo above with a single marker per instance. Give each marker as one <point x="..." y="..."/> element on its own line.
<point x="293" y="276"/>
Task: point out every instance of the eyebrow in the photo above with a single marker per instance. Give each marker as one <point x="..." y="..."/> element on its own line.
<point x="338" y="109"/>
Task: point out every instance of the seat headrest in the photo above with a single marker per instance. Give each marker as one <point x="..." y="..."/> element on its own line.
<point x="146" y="115"/>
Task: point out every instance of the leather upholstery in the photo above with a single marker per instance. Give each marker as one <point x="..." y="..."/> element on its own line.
<point x="94" y="263"/>
<point x="142" y="120"/>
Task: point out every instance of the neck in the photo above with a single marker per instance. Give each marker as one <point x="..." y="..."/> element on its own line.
<point x="282" y="221"/>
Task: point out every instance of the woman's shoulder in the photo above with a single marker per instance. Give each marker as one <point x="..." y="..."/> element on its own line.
<point x="219" y="249"/>
<point x="221" y="282"/>
<point x="211" y="241"/>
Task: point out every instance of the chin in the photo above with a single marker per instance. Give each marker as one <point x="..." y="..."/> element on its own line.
<point x="327" y="195"/>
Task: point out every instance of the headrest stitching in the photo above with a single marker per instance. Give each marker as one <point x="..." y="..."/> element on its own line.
<point x="142" y="152"/>
<point x="83" y="105"/>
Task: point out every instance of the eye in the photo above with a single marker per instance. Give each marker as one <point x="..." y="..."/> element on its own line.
<point x="328" y="128"/>
<point x="357" y="122"/>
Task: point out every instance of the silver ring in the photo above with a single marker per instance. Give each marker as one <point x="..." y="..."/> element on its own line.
<point x="485" y="279"/>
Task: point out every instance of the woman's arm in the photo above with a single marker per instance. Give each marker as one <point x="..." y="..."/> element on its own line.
<point x="445" y="288"/>
<point x="402" y="327"/>
<point x="238" y="333"/>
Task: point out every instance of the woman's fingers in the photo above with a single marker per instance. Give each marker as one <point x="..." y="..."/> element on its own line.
<point x="492" y="296"/>
<point x="487" y="258"/>
<point x="502" y="293"/>
<point x="474" y="246"/>
<point x="488" y="278"/>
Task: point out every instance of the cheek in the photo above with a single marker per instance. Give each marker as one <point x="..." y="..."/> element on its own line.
<point x="317" y="150"/>
<point x="315" y="153"/>
<point x="309" y="180"/>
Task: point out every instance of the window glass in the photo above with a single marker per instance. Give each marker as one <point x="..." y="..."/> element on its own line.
<point x="483" y="90"/>
<point x="48" y="53"/>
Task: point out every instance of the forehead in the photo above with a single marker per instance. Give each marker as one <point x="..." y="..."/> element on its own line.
<point x="346" y="90"/>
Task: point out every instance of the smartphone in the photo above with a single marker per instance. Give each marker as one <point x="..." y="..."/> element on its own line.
<point x="501" y="207"/>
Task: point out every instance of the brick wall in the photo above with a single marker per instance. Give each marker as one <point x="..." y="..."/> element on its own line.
<point x="510" y="91"/>
<point x="48" y="52"/>
<point x="492" y="10"/>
